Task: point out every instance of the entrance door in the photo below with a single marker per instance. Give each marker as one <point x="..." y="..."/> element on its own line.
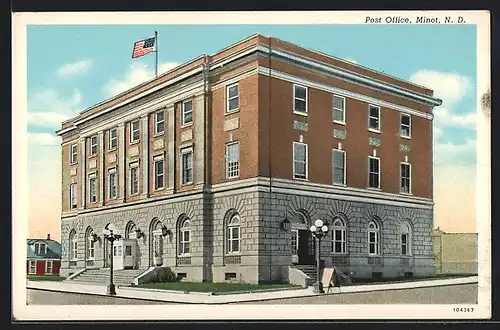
<point x="129" y="253"/>
<point x="295" y="246"/>
<point x="118" y="255"/>
<point x="157" y="248"/>
<point x="306" y="247"/>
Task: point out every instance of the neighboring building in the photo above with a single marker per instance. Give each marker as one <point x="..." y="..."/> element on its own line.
<point x="455" y="253"/>
<point x="43" y="256"/>
<point x="208" y="162"/>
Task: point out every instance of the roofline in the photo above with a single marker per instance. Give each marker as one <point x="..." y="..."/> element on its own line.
<point x="355" y="64"/>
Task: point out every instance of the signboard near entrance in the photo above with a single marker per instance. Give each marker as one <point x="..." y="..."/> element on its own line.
<point x="328" y="279"/>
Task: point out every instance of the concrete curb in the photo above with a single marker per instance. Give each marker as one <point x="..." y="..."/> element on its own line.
<point x="207" y="298"/>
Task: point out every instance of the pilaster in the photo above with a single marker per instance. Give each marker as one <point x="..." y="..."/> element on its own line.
<point x="102" y="176"/>
<point x="145" y="155"/>
<point x="171" y="146"/>
<point x="83" y="162"/>
<point x="121" y="162"/>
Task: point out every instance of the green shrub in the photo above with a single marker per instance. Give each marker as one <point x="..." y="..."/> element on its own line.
<point x="165" y="274"/>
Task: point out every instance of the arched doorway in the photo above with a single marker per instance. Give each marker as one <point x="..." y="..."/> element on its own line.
<point x="303" y="246"/>
<point x="155" y="243"/>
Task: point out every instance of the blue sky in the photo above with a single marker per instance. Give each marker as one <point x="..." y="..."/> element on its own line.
<point x="73" y="67"/>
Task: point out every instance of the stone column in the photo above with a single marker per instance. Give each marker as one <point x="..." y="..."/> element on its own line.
<point x="171" y="146"/>
<point x="121" y="162"/>
<point x="145" y="155"/>
<point x="102" y="175"/>
<point x="83" y="165"/>
<point x="199" y="141"/>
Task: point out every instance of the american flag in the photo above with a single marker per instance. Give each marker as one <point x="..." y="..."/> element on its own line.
<point x="143" y="47"/>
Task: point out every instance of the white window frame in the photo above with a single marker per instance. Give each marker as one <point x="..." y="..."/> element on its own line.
<point x="185" y="228"/>
<point x="338" y="109"/>
<point x="47" y="268"/>
<point x="157" y="160"/>
<point x="133" y="167"/>
<point x="233" y="225"/>
<point x="343" y="236"/>
<point x="295" y="111"/>
<point x="401" y="177"/>
<point x="401" y="125"/>
<point x="73" y="154"/>
<point x="295" y="237"/>
<point x="378" y="129"/>
<point x="32" y="267"/>
<point x="111" y="139"/>
<point x="228" y="87"/>
<point x="93" y="146"/>
<point x="183" y="152"/>
<point x="306" y="161"/>
<point x="73" y="247"/>
<point x="343" y="183"/>
<point x="73" y="201"/>
<point x="405" y="229"/>
<point x="378" y="174"/>
<point x="158" y="122"/>
<point x="90" y="247"/>
<point x="92" y="178"/>
<point x="38" y="248"/>
<point x="132" y="131"/>
<point x="233" y="170"/>
<point x="185" y="123"/>
<point x="112" y="171"/>
<point x="376" y="243"/>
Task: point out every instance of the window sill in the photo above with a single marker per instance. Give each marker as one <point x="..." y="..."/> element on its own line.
<point x="158" y="134"/>
<point x="405" y="137"/>
<point x="73" y="164"/>
<point x="406" y="194"/>
<point x="93" y="156"/>
<point x="187" y="125"/>
<point x="228" y="254"/>
<point x="374" y="131"/>
<point x="300" y="113"/>
<point x="112" y="149"/>
<point x="339" y="253"/>
<point x="339" y="122"/>
<point x="232" y="112"/>
<point x="374" y="189"/>
<point x="301" y="179"/>
<point x="339" y="185"/>
<point x="232" y="177"/>
<point x="186" y="184"/>
<point x="134" y="142"/>
<point x="134" y="195"/>
<point x="159" y="189"/>
<point x="184" y="255"/>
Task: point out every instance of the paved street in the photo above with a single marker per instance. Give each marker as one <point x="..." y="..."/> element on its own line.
<point x="453" y="294"/>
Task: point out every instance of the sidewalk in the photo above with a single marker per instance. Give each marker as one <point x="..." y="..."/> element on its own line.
<point x="207" y="298"/>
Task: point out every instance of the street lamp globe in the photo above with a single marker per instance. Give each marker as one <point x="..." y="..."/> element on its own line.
<point x="105" y="232"/>
<point x="313" y="228"/>
<point x="324" y="229"/>
<point x="111" y="227"/>
<point x="318" y="223"/>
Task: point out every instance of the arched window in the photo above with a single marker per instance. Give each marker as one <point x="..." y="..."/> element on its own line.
<point x="73" y="246"/>
<point x="405" y="234"/>
<point x="233" y="234"/>
<point x="130" y="230"/>
<point x="339" y="233"/>
<point x="89" y="241"/>
<point x="184" y="236"/>
<point x="373" y="238"/>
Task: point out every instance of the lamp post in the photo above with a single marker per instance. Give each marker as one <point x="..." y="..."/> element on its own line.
<point x="111" y="237"/>
<point x="318" y="230"/>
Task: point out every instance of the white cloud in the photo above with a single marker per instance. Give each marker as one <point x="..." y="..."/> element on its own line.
<point x="78" y="67"/>
<point x="48" y="109"/>
<point x="135" y="76"/>
<point x="451" y="89"/>
<point x="43" y="139"/>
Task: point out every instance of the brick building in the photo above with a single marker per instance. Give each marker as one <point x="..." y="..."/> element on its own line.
<point x="202" y="166"/>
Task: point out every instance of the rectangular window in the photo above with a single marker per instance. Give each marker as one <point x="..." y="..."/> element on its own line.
<point x="134" y="179"/>
<point x="405" y="175"/>
<point x="128" y="250"/>
<point x="92" y="189"/>
<point x="339" y="109"/>
<point x="91" y="249"/>
<point x="373" y="243"/>
<point x="300" y="99"/>
<point x="134" y="131"/>
<point x="299" y="160"/>
<point x="185" y="240"/>
<point x="374" y="118"/>
<point x="40" y="248"/>
<point x="32" y="266"/>
<point x="232" y="98"/>
<point x="232" y="160"/>
<point x="73" y="154"/>
<point x="187" y="113"/>
<point x="159" y="122"/>
<point x="233" y="239"/>
<point x="404" y="244"/>
<point x="405" y="125"/>
<point x="186" y="166"/>
<point x="159" y="165"/>
<point x="339" y="242"/>
<point x="112" y="184"/>
<point x="112" y="139"/>
<point x="338" y="162"/>
<point x="72" y="196"/>
<point x="93" y="145"/>
<point x="295" y="242"/>
<point x="373" y="172"/>
<point x="48" y="267"/>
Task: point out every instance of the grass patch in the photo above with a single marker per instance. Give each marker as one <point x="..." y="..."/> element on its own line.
<point x="216" y="287"/>
<point x="45" y="278"/>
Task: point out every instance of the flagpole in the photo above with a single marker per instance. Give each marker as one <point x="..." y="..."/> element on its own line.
<point x="156" y="44"/>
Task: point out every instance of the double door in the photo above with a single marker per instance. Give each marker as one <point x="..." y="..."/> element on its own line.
<point x="303" y="247"/>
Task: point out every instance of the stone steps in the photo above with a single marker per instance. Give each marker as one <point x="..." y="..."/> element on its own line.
<point x="101" y="276"/>
<point x="309" y="270"/>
